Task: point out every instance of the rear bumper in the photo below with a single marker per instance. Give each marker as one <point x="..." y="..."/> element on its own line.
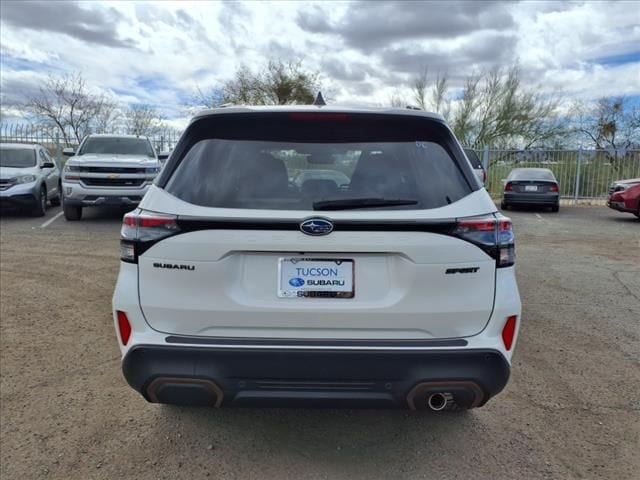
<point x="18" y="201"/>
<point x="619" y="206"/>
<point x="531" y="198"/>
<point x="330" y="378"/>
<point x="22" y="195"/>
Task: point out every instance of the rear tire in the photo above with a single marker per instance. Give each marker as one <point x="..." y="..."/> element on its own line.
<point x="556" y="208"/>
<point x="504" y="206"/>
<point x="40" y="208"/>
<point x="71" y="212"/>
<point x="57" y="200"/>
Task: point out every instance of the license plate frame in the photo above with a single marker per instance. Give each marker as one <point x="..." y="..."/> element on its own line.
<point x="297" y="285"/>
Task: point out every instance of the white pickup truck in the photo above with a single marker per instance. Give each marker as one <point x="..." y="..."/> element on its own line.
<point x="112" y="170"/>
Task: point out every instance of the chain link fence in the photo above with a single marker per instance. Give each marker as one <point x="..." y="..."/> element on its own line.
<point x="54" y="142"/>
<point x="582" y="174"/>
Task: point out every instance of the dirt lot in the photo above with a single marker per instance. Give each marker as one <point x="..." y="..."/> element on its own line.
<point x="571" y="409"/>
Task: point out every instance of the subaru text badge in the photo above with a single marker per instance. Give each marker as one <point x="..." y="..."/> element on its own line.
<point x="316" y="226"/>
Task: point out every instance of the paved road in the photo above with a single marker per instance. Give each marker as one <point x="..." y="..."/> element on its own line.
<point x="571" y="409"/>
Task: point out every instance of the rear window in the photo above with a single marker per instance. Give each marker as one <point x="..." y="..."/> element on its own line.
<point x="473" y="158"/>
<point x="532" y="174"/>
<point x="282" y="174"/>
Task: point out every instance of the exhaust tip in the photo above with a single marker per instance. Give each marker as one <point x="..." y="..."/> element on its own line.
<point x="185" y="391"/>
<point x="438" y="401"/>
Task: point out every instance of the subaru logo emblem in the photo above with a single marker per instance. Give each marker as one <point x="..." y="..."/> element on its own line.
<point x="316" y="226"/>
<point x="296" y="282"/>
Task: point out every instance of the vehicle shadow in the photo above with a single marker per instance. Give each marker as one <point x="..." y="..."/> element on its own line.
<point x="624" y="218"/>
<point x="374" y="441"/>
<point x="529" y="208"/>
<point x="12" y="212"/>
<point x="104" y="214"/>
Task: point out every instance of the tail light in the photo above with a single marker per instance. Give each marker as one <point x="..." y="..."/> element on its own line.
<point x="509" y="331"/>
<point x="484" y="176"/>
<point x="554" y="187"/>
<point x="508" y="187"/>
<point x="124" y="327"/>
<point x="493" y="234"/>
<point x="140" y="230"/>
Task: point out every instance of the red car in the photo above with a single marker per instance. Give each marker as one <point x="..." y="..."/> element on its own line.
<point x="624" y="196"/>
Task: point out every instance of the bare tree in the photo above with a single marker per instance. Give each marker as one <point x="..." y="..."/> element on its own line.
<point x="434" y="99"/>
<point x="440" y="102"/>
<point x="420" y="86"/>
<point x="610" y="124"/>
<point x="142" y="119"/>
<point x="108" y="119"/>
<point x="66" y="103"/>
<point x="279" y="83"/>
<point x="211" y="98"/>
<point x="396" y="100"/>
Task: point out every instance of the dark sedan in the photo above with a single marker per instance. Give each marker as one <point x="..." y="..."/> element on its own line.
<point x="531" y="187"/>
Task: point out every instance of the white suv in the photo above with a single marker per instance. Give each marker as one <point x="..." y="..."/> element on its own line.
<point x="239" y="286"/>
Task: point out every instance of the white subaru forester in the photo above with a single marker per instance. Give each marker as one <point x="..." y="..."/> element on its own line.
<point x="384" y="279"/>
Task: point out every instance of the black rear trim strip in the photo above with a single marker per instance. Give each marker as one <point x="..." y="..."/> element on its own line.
<point x="456" y="342"/>
<point x="190" y="224"/>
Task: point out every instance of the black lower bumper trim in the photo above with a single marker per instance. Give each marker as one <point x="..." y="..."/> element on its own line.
<point x="294" y="377"/>
<point x="18" y="201"/>
<point x="103" y="201"/>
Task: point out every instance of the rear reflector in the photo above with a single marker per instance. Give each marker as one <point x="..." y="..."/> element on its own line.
<point x="509" y="331"/>
<point x="124" y="327"/>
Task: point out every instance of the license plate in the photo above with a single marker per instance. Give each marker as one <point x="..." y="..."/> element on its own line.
<point x="530" y="188"/>
<point x="315" y="278"/>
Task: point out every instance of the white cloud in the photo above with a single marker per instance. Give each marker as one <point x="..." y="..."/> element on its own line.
<point x="160" y="52"/>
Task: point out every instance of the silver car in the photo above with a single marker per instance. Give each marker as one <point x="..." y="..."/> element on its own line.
<point x="29" y="178"/>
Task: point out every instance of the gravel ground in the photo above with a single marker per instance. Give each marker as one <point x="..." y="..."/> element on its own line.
<point x="571" y="409"/>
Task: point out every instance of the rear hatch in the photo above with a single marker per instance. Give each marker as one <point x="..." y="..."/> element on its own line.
<point x="243" y="251"/>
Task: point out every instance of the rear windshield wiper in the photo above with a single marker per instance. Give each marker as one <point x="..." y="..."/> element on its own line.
<point x="349" y="203"/>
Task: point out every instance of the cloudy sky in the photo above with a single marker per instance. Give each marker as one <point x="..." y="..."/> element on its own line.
<point x="161" y="52"/>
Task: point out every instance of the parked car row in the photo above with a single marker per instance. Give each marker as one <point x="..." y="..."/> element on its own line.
<point x="29" y="178"/>
<point x="624" y="196"/>
<point x="531" y="187"/>
<point x="114" y="170"/>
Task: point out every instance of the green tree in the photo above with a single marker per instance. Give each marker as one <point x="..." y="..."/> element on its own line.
<point x="493" y="109"/>
<point x="278" y="83"/>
